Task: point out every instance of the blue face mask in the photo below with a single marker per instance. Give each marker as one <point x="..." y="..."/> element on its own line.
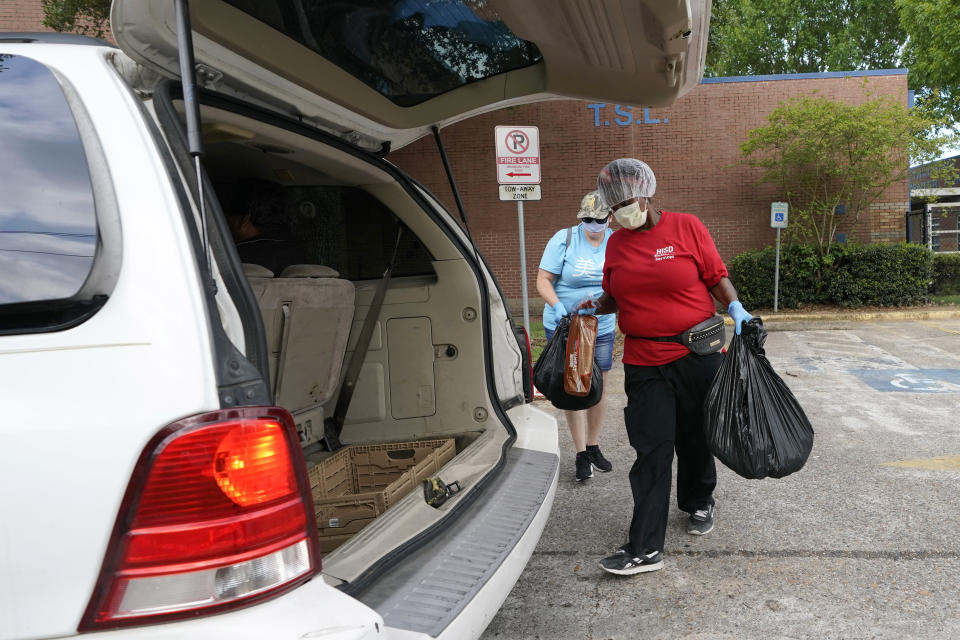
<point x="596" y="227"/>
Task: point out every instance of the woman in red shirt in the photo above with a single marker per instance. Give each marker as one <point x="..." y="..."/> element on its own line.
<point x="662" y="273"/>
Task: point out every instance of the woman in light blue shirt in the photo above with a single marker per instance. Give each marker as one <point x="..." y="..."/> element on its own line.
<point x="570" y="271"/>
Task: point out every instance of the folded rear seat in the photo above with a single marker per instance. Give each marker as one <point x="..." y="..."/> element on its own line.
<point x="307" y="314"/>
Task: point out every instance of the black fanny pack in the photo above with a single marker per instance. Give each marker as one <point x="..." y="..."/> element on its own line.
<point x="702" y="339"/>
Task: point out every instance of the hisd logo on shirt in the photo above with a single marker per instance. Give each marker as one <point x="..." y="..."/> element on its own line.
<point x="665" y="253"/>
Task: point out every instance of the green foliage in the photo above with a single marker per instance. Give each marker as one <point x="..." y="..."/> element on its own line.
<point x="879" y="274"/>
<point x="821" y="153"/>
<point x="538" y="339"/>
<point x="946" y="274"/>
<point x="88" y="17"/>
<point x="752" y="273"/>
<point x="933" y="54"/>
<point x="853" y="275"/>
<point x="794" y="36"/>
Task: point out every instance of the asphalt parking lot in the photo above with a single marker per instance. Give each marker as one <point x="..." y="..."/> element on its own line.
<point x="864" y="542"/>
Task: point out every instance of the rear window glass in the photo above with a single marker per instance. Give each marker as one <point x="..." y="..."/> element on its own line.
<point x="48" y="228"/>
<point x="344" y="228"/>
<point x="408" y="50"/>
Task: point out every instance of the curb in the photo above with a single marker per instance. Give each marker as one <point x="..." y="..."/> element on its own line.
<point x="841" y="319"/>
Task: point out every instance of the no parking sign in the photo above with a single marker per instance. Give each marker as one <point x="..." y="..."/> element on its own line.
<point x="518" y="163"/>
<point x="518" y="155"/>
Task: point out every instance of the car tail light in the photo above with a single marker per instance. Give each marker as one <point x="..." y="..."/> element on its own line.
<point x="527" y="361"/>
<point x="218" y="514"/>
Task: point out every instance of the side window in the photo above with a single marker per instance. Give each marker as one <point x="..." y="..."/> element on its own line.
<point x="48" y="225"/>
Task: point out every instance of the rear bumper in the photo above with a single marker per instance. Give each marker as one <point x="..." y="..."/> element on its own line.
<point x="478" y="614"/>
<point x="314" y="610"/>
<point x="453" y="586"/>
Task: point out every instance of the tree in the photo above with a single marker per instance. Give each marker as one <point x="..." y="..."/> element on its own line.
<point x="822" y="153"/>
<point x="749" y="37"/>
<point x="933" y="54"/>
<point x="89" y="17"/>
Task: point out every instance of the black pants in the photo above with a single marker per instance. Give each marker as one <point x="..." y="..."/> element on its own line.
<point x="665" y="411"/>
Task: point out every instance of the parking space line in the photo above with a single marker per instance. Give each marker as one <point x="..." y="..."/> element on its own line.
<point x="939" y="328"/>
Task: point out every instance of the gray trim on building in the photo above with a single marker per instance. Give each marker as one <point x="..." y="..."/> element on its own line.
<point x="807" y="76"/>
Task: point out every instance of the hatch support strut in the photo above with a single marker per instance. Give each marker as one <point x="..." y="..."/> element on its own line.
<point x="453" y="187"/>
<point x="449" y="172"/>
<point x="188" y="81"/>
<point x="239" y="382"/>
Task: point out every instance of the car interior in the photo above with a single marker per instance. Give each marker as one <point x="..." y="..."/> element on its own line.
<point x="328" y="224"/>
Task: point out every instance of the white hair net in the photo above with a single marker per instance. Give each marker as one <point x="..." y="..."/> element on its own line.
<point x="624" y="179"/>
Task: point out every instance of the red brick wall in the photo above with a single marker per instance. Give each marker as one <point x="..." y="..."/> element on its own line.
<point x="693" y="150"/>
<point x="26" y="16"/>
<point x="21" y="15"/>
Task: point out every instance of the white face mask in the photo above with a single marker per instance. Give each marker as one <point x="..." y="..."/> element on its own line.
<point x="596" y="227"/>
<point x="631" y="216"/>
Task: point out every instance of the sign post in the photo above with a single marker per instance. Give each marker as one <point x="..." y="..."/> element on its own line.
<point x="518" y="173"/>
<point x="778" y="220"/>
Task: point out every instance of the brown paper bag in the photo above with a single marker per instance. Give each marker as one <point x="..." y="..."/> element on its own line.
<point x="578" y="365"/>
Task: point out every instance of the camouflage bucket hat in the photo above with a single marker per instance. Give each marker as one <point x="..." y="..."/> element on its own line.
<point x="593" y="206"/>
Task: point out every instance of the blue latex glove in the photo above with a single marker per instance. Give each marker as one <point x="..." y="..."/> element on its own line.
<point x="558" y="310"/>
<point x="587" y="306"/>
<point x="739" y="315"/>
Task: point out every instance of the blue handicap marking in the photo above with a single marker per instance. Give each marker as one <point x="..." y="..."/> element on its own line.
<point x="911" y="380"/>
<point x="778" y="217"/>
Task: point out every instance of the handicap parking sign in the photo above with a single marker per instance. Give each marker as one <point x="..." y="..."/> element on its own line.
<point x="778" y="215"/>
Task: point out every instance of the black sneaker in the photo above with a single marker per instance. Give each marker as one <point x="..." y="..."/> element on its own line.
<point x="700" y="522"/>
<point x="626" y="564"/>
<point x="584" y="468"/>
<point x="597" y="459"/>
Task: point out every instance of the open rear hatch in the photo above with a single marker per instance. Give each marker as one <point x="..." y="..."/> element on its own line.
<point x="378" y="72"/>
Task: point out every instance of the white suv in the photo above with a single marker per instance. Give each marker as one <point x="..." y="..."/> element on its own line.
<point x="173" y="374"/>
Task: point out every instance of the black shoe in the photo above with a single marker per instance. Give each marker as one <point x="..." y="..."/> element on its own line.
<point x="601" y="463"/>
<point x="584" y="468"/>
<point x="700" y="522"/>
<point x="626" y="564"/>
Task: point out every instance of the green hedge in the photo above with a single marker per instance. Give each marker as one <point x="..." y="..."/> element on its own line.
<point x="946" y="274"/>
<point x="752" y="275"/>
<point x="878" y="274"/>
<point x="853" y="275"/>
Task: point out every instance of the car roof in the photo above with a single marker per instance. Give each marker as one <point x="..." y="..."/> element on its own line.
<point x="52" y="38"/>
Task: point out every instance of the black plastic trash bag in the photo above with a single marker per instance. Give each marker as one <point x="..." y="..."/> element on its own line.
<point x="549" y="370"/>
<point x="753" y="423"/>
